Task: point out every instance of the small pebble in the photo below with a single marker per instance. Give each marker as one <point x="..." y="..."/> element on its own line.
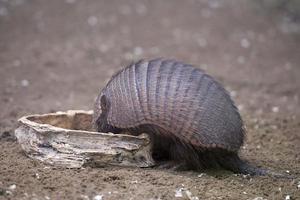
<point x="92" y="20"/>
<point x="298" y="186"/>
<point x="200" y="175"/>
<point x="178" y="192"/>
<point x="24" y="83"/>
<point x="98" y="197"/>
<point x="258" y="198"/>
<point x="244" y="192"/>
<point x="233" y="93"/>
<point x="245" y="43"/>
<point x="275" y="109"/>
<point x="240" y="107"/>
<point x="287" y="171"/>
<point x="287" y="197"/>
<point x="12" y="187"/>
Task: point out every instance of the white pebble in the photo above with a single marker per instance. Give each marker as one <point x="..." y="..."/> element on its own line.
<point x="275" y="109"/>
<point x="298" y="186"/>
<point x="92" y="20"/>
<point x="47" y="198"/>
<point x="178" y="192"/>
<point x="258" y="198"/>
<point x="244" y="192"/>
<point x="287" y="171"/>
<point x="279" y="189"/>
<point x="245" y="43"/>
<point x="98" y="197"/>
<point x="287" y="197"/>
<point x="8" y="192"/>
<point x="233" y="93"/>
<point x="12" y="187"/>
<point x="200" y="175"/>
<point x="24" y="83"/>
<point x="37" y="175"/>
<point x="240" y="107"/>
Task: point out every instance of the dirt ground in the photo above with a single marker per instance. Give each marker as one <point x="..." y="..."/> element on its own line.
<point x="57" y="55"/>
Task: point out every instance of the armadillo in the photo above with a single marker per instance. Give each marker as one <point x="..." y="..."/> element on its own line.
<point x="188" y="114"/>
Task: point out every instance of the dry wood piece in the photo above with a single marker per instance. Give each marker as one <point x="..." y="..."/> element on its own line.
<point x="66" y="139"/>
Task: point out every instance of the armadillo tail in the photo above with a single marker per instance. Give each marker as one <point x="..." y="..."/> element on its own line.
<point x="233" y="163"/>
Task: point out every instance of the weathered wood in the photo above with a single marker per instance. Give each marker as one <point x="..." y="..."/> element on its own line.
<point x="66" y="139"/>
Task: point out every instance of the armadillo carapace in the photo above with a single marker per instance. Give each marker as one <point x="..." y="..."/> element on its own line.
<point x="189" y="115"/>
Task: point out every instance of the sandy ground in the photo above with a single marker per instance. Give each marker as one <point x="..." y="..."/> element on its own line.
<point x="57" y="55"/>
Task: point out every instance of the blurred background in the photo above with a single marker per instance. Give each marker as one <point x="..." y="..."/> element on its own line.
<point x="58" y="54"/>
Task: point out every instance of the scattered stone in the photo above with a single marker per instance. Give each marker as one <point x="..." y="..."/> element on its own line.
<point x="287" y="197"/>
<point x="92" y="20"/>
<point x="178" y="192"/>
<point x="298" y="186"/>
<point x="200" y="175"/>
<point x="183" y="192"/>
<point x="245" y="43"/>
<point x="258" y="198"/>
<point x="275" y="109"/>
<point x="233" y="93"/>
<point x="12" y="187"/>
<point x="240" y="107"/>
<point x="98" y="197"/>
<point x="24" y="83"/>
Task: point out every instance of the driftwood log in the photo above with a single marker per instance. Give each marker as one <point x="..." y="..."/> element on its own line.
<point x="66" y="139"/>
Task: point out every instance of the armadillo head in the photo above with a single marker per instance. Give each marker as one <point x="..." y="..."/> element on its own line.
<point x="101" y="109"/>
